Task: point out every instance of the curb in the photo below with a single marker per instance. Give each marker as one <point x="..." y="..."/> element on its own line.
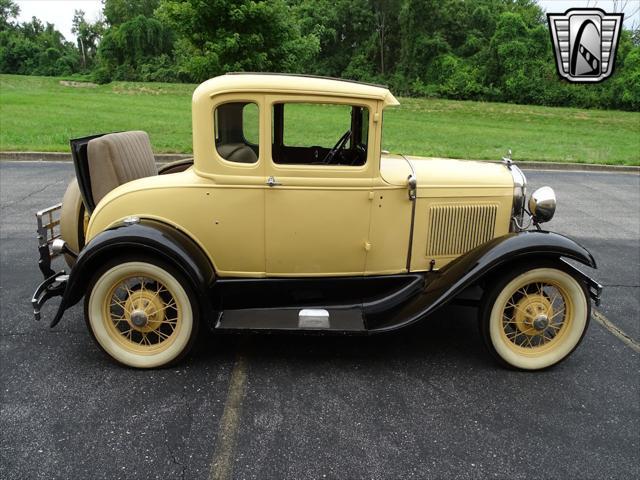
<point x="66" y="157"/>
<point x="579" y="167"/>
<point x="171" y="157"/>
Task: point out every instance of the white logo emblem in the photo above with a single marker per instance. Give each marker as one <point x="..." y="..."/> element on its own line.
<point x="585" y="42"/>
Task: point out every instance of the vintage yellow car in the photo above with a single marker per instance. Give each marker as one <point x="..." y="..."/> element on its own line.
<point x="290" y="217"/>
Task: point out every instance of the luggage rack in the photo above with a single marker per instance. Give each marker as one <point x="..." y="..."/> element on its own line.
<point x="49" y="226"/>
<point x="48" y="231"/>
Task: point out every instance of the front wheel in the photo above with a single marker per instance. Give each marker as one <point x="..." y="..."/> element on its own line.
<point x="534" y="318"/>
<point x="143" y="314"/>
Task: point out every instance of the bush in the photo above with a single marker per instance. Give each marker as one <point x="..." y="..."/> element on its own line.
<point x="102" y="75"/>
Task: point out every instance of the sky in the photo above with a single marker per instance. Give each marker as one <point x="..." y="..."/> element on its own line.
<point x="631" y="7"/>
<point x="60" y="12"/>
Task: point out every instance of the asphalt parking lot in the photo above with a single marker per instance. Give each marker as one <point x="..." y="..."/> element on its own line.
<point x="424" y="404"/>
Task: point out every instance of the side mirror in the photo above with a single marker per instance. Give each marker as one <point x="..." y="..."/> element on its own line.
<point x="542" y="204"/>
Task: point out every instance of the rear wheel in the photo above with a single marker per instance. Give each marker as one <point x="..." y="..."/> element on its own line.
<point x="142" y="313"/>
<point x="534" y="318"/>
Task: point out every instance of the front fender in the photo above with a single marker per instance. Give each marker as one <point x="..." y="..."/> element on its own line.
<point x="442" y="286"/>
<point x="145" y="237"/>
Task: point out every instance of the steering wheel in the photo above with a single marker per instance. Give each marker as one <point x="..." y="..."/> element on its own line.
<point x="360" y="152"/>
<point x="337" y="147"/>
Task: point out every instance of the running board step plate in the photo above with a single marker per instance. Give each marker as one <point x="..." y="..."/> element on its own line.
<point x="292" y="319"/>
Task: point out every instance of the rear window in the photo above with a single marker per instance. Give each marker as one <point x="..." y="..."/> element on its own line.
<point x="237" y="131"/>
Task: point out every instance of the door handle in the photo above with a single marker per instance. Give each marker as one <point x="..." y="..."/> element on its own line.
<point x="271" y="181"/>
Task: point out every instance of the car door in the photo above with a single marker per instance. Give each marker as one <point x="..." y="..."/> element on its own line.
<point x="229" y="214"/>
<point x="317" y="212"/>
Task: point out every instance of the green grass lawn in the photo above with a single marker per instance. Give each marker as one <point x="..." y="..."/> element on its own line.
<point x="41" y="114"/>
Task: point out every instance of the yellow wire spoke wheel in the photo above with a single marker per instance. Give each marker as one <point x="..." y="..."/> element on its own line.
<point x="537" y="318"/>
<point x="140" y="314"/>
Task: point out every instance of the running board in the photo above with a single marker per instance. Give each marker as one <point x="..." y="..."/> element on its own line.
<point x="336" y="320"/>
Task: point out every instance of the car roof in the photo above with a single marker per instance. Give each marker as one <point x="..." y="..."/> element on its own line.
<point x="292" y="83"/>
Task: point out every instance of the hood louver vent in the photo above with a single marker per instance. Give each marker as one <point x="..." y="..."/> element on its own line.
<point x="455" y="229"/>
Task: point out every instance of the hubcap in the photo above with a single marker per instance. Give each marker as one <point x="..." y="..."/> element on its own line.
<point x="535" y="315"/>
<point x="528" y="309"/>
<point x="541" y="322"/>
<point x="143" y="313"/>
<point x="139" y="318"/>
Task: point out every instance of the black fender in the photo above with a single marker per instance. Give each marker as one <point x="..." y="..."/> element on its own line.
<point x="444" y="285"/>
<point x="149" y="237"/>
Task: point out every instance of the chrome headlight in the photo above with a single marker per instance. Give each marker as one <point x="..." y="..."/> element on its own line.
<point x="519" y="195"/>
<point x="542" y="204"/>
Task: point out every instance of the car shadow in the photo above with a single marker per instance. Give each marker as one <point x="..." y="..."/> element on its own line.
<point x="450" y="335"/>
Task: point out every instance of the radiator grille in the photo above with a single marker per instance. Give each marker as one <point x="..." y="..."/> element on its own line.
<point x="456" y="229"/>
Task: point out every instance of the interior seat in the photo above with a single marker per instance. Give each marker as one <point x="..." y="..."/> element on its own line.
<point x="237" y="152"/>
<point x="118" y="158"/>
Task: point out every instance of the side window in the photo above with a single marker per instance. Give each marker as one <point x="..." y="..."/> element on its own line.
<point x="237" y="127"/>
<point x="320" y="134"/>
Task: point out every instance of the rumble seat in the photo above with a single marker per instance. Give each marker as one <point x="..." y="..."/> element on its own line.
<point x="118" y="158"/>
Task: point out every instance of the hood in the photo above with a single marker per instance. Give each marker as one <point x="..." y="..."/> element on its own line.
<point x="445" y="172"/>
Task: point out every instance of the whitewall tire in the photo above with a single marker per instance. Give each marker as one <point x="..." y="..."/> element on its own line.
<point x="533" y="318"/>
<point x="141" y="313"/>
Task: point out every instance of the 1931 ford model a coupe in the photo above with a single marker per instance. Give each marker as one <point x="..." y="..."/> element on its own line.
<point x="291" y="218"/>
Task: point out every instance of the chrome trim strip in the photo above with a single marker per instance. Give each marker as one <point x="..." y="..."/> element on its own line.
<point x="519" y="200"/>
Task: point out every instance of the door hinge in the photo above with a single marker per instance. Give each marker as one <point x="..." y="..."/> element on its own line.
<point x="412" y="186"/>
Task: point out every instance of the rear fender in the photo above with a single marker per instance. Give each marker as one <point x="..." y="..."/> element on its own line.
<point x="443" y="286"/>
<point x="147" y="237"/>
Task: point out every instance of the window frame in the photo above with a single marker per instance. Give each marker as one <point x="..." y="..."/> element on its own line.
<point x="303" y="170"/>
<point x="214" y="118"/>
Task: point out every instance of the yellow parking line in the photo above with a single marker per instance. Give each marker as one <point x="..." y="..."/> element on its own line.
<point x="606" y="323"/>
<point x="223" y="456"/>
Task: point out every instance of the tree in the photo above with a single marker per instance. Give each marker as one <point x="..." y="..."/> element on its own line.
<point x="244" y="35"/>
<point x="387" y="32"/>
<point x="126" y="49"/>
<point x="88" y="36"/>
<point x="423" y="37"/>
<point x="347" y="36"/>
<point x="117" y="12"/>
<point x="33" y="48"/>
<point x="8" y="12"/>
